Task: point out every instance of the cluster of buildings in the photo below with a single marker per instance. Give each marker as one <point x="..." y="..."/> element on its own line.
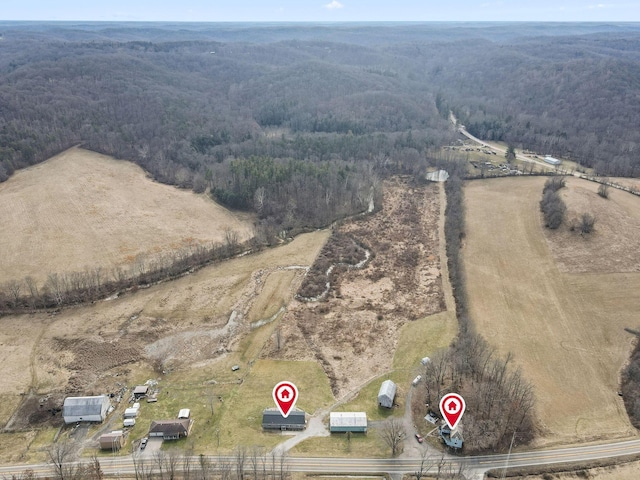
<point x="96" y="408"/>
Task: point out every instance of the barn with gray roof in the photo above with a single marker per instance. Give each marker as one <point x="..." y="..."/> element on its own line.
<point x="387" y="394"/>
<point x="85" y="409"/>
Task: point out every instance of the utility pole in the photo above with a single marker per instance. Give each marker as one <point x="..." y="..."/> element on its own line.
<point x="504" y="470"/>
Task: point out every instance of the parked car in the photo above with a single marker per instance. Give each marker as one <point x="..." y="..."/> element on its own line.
<point x="419" y="438"/>
<point x="416" y="380"/>
<point x="143" y="443"/>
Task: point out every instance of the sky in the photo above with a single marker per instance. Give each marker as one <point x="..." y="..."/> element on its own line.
<point x="321" y="10"/>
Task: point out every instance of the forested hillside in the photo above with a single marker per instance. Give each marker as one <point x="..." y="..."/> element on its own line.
<point x="297" y="123"/>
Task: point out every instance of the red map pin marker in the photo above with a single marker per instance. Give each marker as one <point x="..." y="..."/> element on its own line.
<point x="452" y="407"/>
<point x="285" y="395"/>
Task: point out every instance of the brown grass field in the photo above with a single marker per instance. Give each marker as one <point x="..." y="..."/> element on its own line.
<point x="628" y="471"/>
<point x="174" y="326"/>
<point x="559" y="302"/>
<point x="181" y="333"/>
<point x="355" y="332"/>
<point x="82" y="209"/>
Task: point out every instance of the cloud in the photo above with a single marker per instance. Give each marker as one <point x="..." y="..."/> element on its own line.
<point x="335" y="4"/>
<point x="599" y="5"/>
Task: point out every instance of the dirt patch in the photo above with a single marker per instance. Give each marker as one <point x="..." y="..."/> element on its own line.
<point x="565" y="330"/>
<point x="37" y="411"/>
<point x="354" y="332"/>
<point x="82" y="210"/>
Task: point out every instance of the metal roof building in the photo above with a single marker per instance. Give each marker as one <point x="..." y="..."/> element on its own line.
<point x="85" y="409"/>
<point x="387" y="394"/>
<point x="112" y="441"/>
<point x="552" y="161"/>
<point x="272" y="419"/>
<point x="348" y="422"/>
<point x="438" y="176"/>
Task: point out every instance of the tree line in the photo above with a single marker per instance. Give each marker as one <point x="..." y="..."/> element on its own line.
<point x="245" y="463"/>
<point x="500" y="402"/>
<point x="72" y="288"/>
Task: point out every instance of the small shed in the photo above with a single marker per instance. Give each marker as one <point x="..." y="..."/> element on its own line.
<point x="348" y="422"/>
<point x="272" y="419"/>
<point x="171" y="429"/>
<point x="112" y="441"/>
<point x="140" y="391"/>
<point x="184" y="413"/>
<point x="387" y="394"/>
<point x="552" y="161"/>
<point x="85" y="409"/>
<point x="129" y="422"/>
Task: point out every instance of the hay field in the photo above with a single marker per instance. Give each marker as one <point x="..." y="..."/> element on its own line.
<point x="82" y="209"/>
<point x="564" y="329"/>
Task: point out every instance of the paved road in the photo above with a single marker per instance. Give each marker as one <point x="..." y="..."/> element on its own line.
<point x="475" y="465"/>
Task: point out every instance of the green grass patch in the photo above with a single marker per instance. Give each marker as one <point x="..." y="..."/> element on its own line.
<point x="360" y="446"/>
<point x="423" y="338"/>
<point x="367" y="400"/>
<point x="417" y="339"/>
<point x="241" y="421"/>
<point x="251" y="346"/>
<point x="236" y="398"/>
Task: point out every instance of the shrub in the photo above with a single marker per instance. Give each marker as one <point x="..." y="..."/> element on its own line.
<point x="553" y="208"/>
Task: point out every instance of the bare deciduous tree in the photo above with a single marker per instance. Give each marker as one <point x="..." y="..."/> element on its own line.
<point x="393" y="434"/>
<point x="60" y="454"/>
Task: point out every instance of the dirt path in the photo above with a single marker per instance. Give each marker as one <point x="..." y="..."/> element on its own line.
<point x="32" y="360"/>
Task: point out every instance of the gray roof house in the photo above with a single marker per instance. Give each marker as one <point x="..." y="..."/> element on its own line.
<point x="452" y="438"/>
<point x="272" y="419"/>
<point x="171" y="429"/>
<point x="85" y="409"/>
<point x="387" y="394"/>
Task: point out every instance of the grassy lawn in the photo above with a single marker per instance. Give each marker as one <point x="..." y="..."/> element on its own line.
<point x="366" y="400"/>
<point x="435" y="332"/>
<point x="241" y="414"/>
<point x="360" y="445"/>
<point x="423" y="338"/>
<point x="237" y="400"/>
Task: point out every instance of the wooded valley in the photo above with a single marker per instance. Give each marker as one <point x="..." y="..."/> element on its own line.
<point x="297" y="122"/>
